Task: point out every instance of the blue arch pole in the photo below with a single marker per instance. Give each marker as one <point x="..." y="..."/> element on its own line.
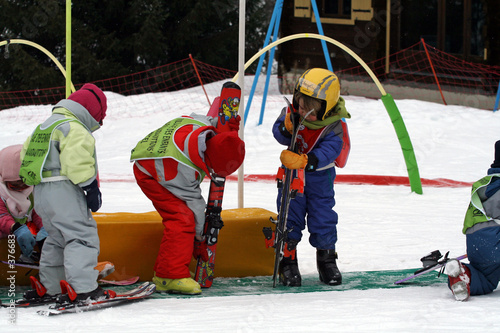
<point x="270" y="67"/>
<point x="277" y="11"/>
<point x="495" y="108"/>
<point x="320" y="32"/>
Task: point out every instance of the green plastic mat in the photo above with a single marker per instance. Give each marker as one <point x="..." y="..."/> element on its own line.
<point x="260" y="285"/>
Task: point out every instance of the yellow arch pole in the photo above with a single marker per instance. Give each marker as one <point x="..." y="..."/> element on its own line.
<point x="390" y="105"/>
<point x="68" y="48"/>
<point x="316" y="36"/>
<point x="41" y="48"/>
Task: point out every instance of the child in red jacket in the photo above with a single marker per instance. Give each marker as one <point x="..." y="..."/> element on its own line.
<point x="169" y="165"/>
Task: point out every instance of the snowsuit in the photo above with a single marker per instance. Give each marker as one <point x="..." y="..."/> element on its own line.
<point x="482" y="230"/>
<point x="169" y="167"/>
<point x="71" y="249"/>
<point x="322" y="142"/>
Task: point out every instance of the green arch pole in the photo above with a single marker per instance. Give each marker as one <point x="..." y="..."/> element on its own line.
<point x="405" y="142"/>
<point x="390" y="105"/>
<point x="41" y="48"/>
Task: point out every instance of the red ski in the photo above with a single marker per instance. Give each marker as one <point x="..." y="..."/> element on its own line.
<point x="228" y="104"/>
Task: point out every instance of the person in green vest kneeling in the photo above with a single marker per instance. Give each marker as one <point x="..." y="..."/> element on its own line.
<point x="169" y="165"/>
<point x="482" y="231"/>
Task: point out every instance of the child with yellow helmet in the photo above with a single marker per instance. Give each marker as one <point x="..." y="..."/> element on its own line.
<point x="320" y="143"/>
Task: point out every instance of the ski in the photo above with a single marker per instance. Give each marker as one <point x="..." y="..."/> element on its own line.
<point x="204" y="274"/>
<point x="143" y="291"/>
<point x="47" y="299"/>
<point x="105" y="268"/>
<point x="124" y="282"/>
<point x="290" y="186"/>
<point x="431" y="263"/>
<point x="228" y="103"/>
<point x="226" y="106"/>
<point x="19" y="263"/>
<point x="24" y="303"/>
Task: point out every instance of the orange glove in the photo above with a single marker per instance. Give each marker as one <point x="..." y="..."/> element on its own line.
<point x="288" y="121"/>
<point x="292" y="160"/>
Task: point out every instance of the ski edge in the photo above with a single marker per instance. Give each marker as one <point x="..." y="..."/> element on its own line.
<point x="149" y="289"/>
<point x="431" y="268"/>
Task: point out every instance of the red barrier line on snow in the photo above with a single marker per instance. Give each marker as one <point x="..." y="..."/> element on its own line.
<point x="346" y="179"/>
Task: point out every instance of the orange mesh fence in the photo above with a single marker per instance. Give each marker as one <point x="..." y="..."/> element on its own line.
<point x="411" y="67"/>
<point x="179" y="75"/>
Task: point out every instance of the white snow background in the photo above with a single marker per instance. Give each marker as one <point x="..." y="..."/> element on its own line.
<point x="380" y="227"/>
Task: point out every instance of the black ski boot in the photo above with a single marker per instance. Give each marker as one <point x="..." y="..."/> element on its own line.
<point x="288" y="269"/>
<point x="70" y="296"/>
<point x="327" y="267"/>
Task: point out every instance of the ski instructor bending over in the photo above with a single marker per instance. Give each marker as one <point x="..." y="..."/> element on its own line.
<point x="169" y="165"/>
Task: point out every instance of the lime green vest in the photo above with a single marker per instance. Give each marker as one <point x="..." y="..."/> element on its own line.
<point x="37" y="152"/>
<point x="159" y="144"/>
<point x="475" y="212"/>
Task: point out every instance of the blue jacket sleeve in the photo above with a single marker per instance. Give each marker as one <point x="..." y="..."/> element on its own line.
<point x="327" y="150"/>
<point x="278" y="134"/>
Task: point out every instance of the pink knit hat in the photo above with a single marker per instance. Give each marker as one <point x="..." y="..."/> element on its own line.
<point x="10" y="163"/>
<point x="93" y="99"/>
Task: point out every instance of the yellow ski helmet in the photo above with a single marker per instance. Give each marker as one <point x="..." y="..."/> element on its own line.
<point x="321" y="84"/>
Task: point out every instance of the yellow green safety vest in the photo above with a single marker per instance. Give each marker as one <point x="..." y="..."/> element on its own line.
<point x="159" y="144"/>
<point x="475" y="212"/>
<point x="37" y="152"/>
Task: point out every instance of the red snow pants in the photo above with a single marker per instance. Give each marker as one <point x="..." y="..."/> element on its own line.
<point x="177" y="244"/>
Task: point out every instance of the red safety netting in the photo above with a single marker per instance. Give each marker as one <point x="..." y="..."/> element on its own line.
<point x="420" y="65"/>
<point x="414" y="67"/>
<point x="171" y="77"/>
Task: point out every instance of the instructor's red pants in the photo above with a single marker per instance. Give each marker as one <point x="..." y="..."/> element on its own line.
<point x="176" y="246"/>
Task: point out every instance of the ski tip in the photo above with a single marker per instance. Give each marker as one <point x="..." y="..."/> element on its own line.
<point x="231" y="84"/>
<point x="45" y="313"/>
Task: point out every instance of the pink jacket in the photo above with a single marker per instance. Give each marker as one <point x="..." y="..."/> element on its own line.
<point x="7" y="220"/>
<point x="14" y="204"/>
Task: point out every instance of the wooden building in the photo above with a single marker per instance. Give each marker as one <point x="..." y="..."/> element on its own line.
<point x="468" y="29"/>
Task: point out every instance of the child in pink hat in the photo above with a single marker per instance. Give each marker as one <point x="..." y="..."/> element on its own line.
<point x="16" y="206"/>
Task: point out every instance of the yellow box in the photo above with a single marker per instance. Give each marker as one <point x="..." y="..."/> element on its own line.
<point x="131" y="241"/>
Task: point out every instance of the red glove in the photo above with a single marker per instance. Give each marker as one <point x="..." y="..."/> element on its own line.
<point x="234" y="123"/>
<point x="200" y="250"/>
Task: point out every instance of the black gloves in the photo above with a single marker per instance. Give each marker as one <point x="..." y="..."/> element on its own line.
<point x="93" y="196"/>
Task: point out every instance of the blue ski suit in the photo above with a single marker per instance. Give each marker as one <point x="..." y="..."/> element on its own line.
<point x="483" y="238"/>
<point x="322" y="142"/>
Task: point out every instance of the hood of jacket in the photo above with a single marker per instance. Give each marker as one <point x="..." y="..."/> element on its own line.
<point x="73" y="109"/>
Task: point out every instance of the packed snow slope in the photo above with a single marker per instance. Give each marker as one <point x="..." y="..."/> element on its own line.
<point x="380" y="227"/>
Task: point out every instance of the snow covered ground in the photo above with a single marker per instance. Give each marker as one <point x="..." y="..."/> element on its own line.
<point x="380" y="227"/>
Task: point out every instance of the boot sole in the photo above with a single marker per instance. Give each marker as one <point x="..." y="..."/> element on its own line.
<point x="460" y="291"/>
<point x="331" y="282"/>
<point x="177" y="292"/>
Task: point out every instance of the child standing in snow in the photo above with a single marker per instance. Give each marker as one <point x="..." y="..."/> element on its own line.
<point x="16" y="206"/>
<point x="59" y="158"/>
<point x="319" y="144"/>
<point x="169" y="165"/>
<point x="482" y="231"/>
